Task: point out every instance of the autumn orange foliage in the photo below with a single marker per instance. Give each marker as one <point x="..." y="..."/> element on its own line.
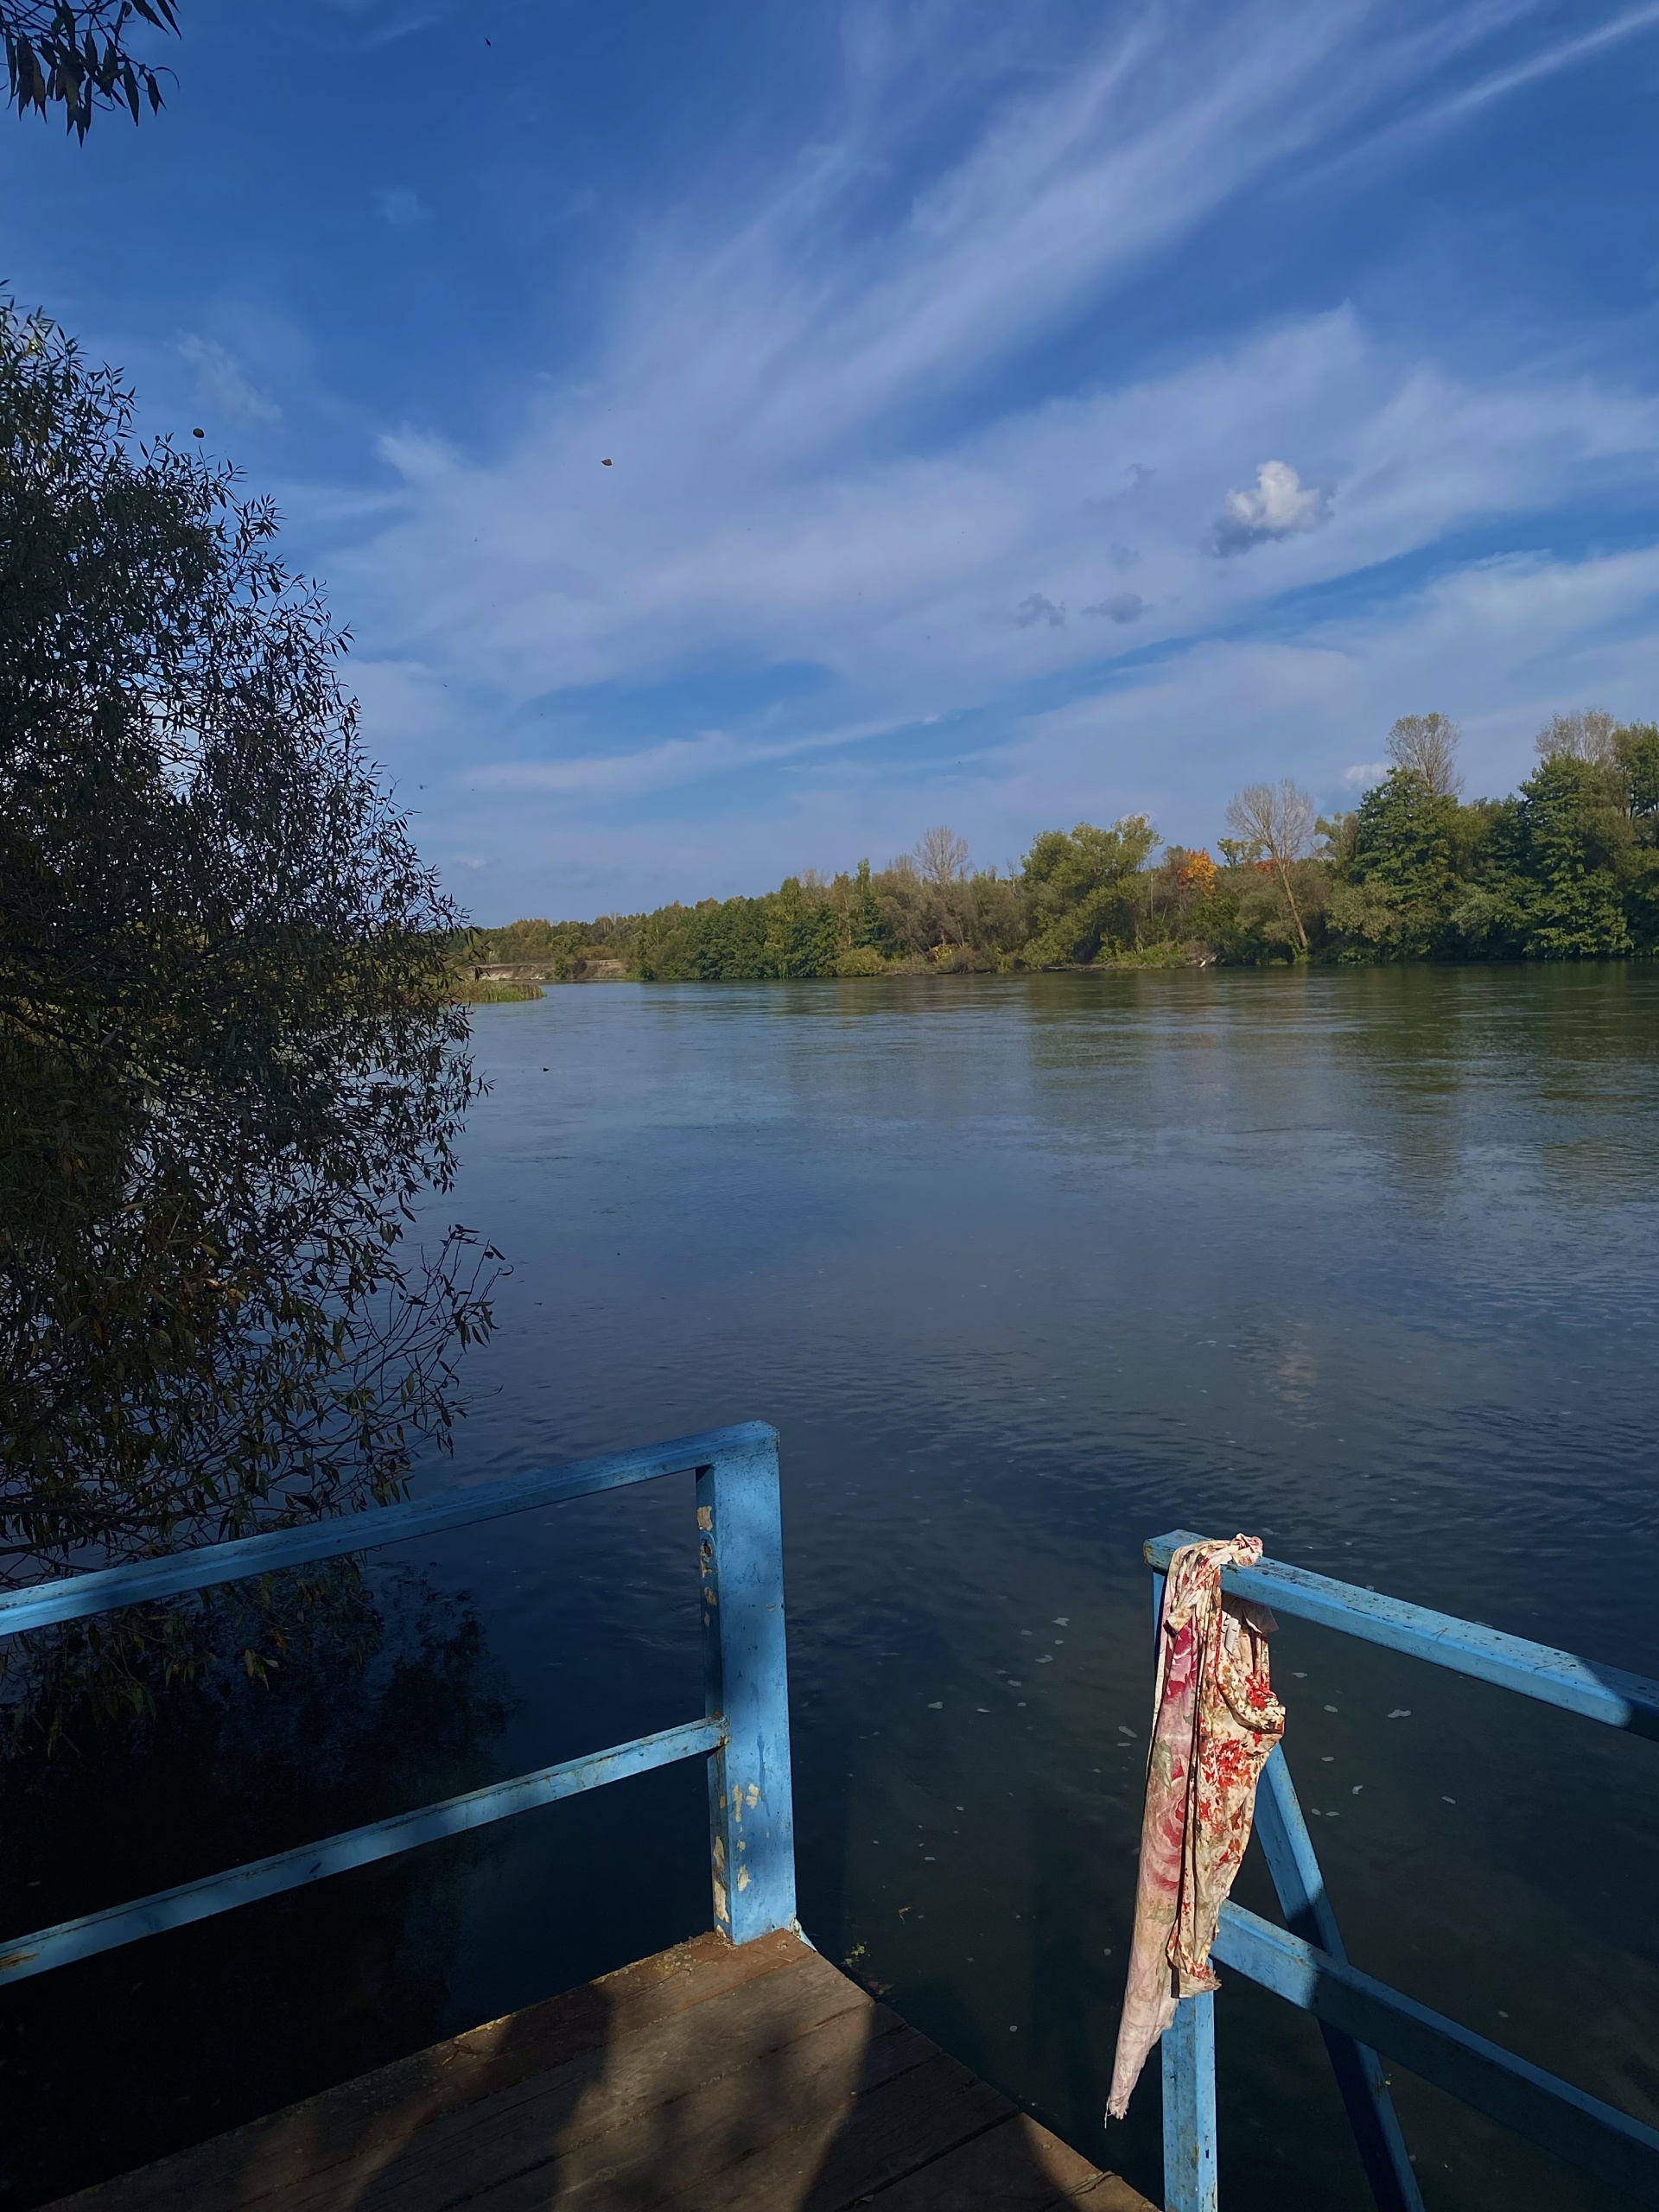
<point x="1199" y="873"/>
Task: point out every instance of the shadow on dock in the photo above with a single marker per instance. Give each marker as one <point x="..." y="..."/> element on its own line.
<point x="756" y="2080"/>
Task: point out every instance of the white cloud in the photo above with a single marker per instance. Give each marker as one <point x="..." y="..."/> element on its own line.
<point x="1498" y="84"/>
<point x="1279" y="505"/>
<point x="222" y="387"/>
<point x="662" y="765"/>
<point x="1036" y="608"/>
<point x="400" y="207"/>
<point x="880" y="569"/>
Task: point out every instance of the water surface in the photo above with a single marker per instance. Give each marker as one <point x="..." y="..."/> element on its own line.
<point x="1025" y="1271"/>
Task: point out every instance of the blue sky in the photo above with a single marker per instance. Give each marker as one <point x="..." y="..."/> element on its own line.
<point x="1016" y="415"/>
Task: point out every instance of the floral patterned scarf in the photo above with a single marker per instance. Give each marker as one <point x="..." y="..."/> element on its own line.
<point x="1215" y="1721"/>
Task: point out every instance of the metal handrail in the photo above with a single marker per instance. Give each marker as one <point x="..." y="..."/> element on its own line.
<point x="744" y="1732"/>
<point x="1360" y="2017"/>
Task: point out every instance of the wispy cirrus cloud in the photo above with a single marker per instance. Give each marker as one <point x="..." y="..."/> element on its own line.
<point x="838" y="443"/>
<point x="224" y="386"/>
<point x="911" y="579"/>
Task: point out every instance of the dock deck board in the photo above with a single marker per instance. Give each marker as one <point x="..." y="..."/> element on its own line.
<point x="755" y="2080"/>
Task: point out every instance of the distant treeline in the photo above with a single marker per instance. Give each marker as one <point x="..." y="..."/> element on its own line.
<point x="1567" y="869"/>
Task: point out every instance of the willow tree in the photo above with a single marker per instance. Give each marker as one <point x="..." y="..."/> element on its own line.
<point x="80" y="55"/>
<point x="228" y="1070"/>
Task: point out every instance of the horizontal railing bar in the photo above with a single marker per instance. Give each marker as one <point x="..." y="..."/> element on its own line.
<point x="1604" y="1694"/>
<point x="1622" y="2152"/>
<point x="78" y="1596"/>
<point x="291" y="1870"/>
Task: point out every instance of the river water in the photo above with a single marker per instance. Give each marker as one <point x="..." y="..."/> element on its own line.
<point x="1025" y="1271"/>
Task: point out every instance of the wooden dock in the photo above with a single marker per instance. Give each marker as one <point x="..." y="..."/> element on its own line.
<point x="755" y="2079"/>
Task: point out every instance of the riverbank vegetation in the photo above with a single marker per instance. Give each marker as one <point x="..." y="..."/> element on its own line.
<point x="230" y="1064"/>
<point x="468" y="990"/>
<point x="1566" y="867"/>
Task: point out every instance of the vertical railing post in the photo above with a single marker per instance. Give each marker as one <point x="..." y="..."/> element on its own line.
<point x="746" y="1688"/>
<point x="1189" y="2063"/>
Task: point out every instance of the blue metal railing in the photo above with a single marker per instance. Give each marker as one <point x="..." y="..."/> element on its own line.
<point x="744" y="1732"/>
<point x="1360" y="2019"/>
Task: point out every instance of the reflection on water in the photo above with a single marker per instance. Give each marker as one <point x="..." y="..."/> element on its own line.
<point x="383" y="1688"/>
<point x="1026" y="1271"/>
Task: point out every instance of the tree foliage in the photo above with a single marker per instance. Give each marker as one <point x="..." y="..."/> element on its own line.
<point x="1570" y="834"/>
<point x="1080" y="890"/>
<point x="1426" y="745"/>
<point x="1588" y="734"/>
<point x="77" y="56"/>
<point x="1568" y="868"/>
<point x="227" y="1063"/>
<point x="1400" y="855"/>
<point x="1274" y="826"/>
<point x="941" y="857"/>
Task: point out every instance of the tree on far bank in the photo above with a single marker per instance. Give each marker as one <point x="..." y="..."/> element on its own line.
<point x="1572" y="849"/>
<point x="941" y="857"/>
<point x="1275" y="824"/>
<point x="1567" y="869"/>
<point x="1587" y="734"/>
<point x="1080" y="888"/>
<point x="1399" y="860"/>
<point x="1427" y="746"/>
<point x="1636" y="754"/>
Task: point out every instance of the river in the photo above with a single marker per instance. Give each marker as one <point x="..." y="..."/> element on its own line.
<point x="1025" y="1271"/>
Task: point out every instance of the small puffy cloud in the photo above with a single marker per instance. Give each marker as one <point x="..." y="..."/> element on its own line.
<point x="1123" y="556"/>
<point x="1036" y="608"/>
<point x="1120" y="606"/>
<point x="1364" y="773"/>
<point x="221" y="385"/>
<point x="1280" y="505"/>
<point x="399" y="207"/>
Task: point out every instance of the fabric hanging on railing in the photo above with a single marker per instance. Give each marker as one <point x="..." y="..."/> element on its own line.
<point x="1215" y="1721"/>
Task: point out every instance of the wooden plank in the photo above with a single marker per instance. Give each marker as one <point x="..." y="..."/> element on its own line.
<point x="248" y="2163"/>
<point x="699" y="2148"/>
<point x="1110" y="2193"/>
<point x="899" y="2127"/>
<point x="1016" y="2166"/>
<point x="899" y="2113"/>
<point x="684" y="2075"/>
<point x="705" y="2080"/>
